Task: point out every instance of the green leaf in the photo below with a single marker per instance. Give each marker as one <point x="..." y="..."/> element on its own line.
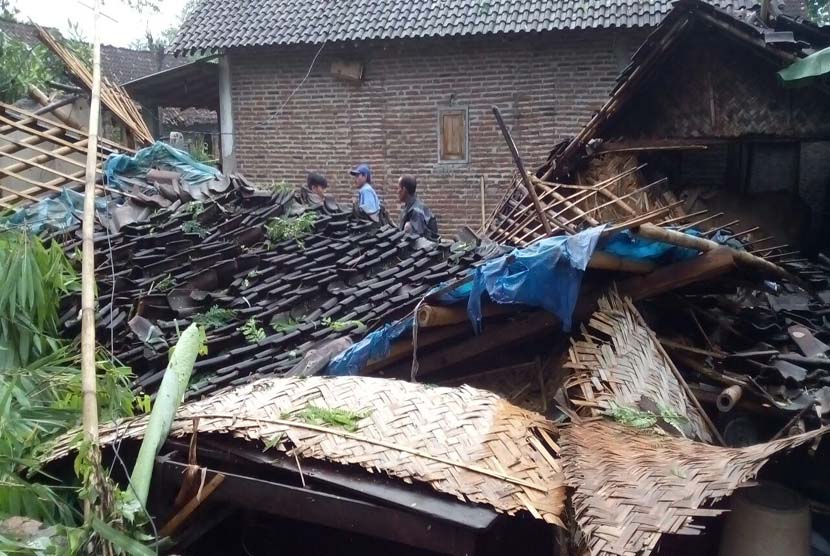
<point x="120" y="540"/>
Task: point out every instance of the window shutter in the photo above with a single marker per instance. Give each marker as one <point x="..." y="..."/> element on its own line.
<point x="453" y="135"/>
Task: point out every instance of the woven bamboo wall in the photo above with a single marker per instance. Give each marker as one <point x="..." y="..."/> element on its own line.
<point x="716" y="87"/>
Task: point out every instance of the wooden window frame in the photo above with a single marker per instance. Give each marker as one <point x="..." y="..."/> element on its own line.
<point x="451" y="109"/>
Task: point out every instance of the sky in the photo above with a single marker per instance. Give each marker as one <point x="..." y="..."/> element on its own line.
<point x="128" y="25"/>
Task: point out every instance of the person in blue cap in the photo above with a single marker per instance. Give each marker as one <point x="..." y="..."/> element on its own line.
<point x="367" y="197"/>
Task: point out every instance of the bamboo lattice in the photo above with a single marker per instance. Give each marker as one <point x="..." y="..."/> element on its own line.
<point x="617" y="362"/>
<point x="632" y="486"/>
<point x="41" y="156"/>
<point x="465" y="442"/>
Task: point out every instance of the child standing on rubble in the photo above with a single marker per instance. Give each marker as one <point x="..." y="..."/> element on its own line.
<point x="367" y="197"/>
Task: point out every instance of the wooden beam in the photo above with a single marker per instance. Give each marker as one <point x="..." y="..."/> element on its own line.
<point x="46" y="137"/>
<point x="665" y="279"/>
<point x="522" y="172"/>
<point x="57" y="153"/>
<point x="496" y="336"/>
<point x="33" y="164"/>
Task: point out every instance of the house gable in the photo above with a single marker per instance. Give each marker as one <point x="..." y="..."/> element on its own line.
<point x="715" y="87"/>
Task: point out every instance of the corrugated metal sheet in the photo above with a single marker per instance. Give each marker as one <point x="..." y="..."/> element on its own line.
<point x="219" y="24"/>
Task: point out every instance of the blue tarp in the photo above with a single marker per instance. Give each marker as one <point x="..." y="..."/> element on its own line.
<point x="629" y="246"/>
<point x="159" y="155"/>
<point x="375" y="345"/>
<point x="547" y="274"/>
<point x="65" y="209"/>
<point x="57" y="213"/>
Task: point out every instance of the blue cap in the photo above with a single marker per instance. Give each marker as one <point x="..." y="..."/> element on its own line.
<point x="362" y="169"/>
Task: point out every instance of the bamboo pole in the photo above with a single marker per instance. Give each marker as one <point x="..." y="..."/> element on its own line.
<point x="88" y="383"/>
<point x="651" y="231"/>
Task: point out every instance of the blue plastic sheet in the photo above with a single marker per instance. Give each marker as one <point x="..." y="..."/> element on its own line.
<point x="65" y="209"/>
<point x="547" y="274"/>
<point x="159" y="155"/>
<point x="375" y="345"/>
<point x="57" y="213"/>
<point x="629" y="246"/>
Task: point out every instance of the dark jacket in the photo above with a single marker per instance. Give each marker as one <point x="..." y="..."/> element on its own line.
<point x="420" y="219"/>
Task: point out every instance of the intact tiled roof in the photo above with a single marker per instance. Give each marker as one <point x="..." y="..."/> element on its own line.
<point x="123" y="65"/>
<point x="217" y="24"/>
<point x="118" y="64"/>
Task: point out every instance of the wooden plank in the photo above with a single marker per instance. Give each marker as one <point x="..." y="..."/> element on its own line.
<point x="34" y="164"/>
<point x="33" y="117"/>
<point x="665" y="279"/>
<point x="57" y="153"/>
<point x="49" y="138"/>
<point x="495" y="337"/>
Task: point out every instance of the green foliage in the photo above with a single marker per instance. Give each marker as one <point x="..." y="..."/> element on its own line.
<point x="194" y="208"/>
<point x="324" y="416"/>
<point x="200" y="153"/>
<point x="33" y="278"/>
<point x="194" y="227"/>
<point x="341" y="325"/>
<point x="639" y="419"/>
<point x="278" y="187"/>
<point x="22" y="65"/>
<point x="818" y="11"/>
<point x="165" y="284"/>
<point x="37" y="404"/>
<point x="280" y="229"/>
<point x="215" y="317"/>
<point x="252" y="332"/>
<point x="284" y="324"/>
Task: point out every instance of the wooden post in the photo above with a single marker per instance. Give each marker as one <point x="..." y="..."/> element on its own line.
<point x="88" y="383"/>
<point x="522" y="172"/>
<point x="483" y="208"/>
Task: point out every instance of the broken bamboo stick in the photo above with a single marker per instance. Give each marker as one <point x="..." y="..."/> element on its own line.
<point x="704" y="245"/>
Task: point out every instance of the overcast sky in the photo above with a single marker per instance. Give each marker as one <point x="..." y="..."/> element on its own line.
<point x="130" y="24"/>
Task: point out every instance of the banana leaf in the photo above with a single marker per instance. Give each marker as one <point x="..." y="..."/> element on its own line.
<point x="170" y="395"/>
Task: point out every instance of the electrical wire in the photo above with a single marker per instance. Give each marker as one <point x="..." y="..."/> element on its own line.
<point x="119" y="437"/>
<point x="271" y="118"/>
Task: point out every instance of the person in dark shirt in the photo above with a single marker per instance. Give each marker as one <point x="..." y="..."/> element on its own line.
<point x="416" y="218"/>
<point x="317" y="184"/>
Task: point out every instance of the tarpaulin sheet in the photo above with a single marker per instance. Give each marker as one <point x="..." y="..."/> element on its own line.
<point x="375" y="345"/>
<point x="546" y="274"/>
<point x="630" y="246"/>
<point x="57" y="213"/>
<point x="65" y="209"/>
<point x="162" y="156"/>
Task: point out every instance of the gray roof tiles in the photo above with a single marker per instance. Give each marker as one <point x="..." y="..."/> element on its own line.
<point x="220" y="24"/>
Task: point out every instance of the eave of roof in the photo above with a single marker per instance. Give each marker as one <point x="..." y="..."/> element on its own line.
<point x="222" y="24"/>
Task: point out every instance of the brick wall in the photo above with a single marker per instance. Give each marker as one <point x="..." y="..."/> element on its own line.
<point x="545" y="85"/>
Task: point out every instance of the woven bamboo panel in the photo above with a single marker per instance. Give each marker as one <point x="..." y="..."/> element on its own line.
<point x="462" y="441"/>
<point x="618" y="362"/>
<point x="632" y="486"/>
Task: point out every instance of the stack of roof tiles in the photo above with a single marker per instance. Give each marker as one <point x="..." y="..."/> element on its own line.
<point x="339" y="279"/>
<point x="219" y="24"/>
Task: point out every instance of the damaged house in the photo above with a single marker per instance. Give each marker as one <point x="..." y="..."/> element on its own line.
<point x="702" y="105"/>
<point x="407" y="86"/>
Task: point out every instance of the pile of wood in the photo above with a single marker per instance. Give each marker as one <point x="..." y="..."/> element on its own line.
<point x="113" y="96"/>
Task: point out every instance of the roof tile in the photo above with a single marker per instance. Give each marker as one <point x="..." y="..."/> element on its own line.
<point x="217" y="24"/>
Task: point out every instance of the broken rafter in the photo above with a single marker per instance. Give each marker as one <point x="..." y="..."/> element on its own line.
<point x="113" y="96"/>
